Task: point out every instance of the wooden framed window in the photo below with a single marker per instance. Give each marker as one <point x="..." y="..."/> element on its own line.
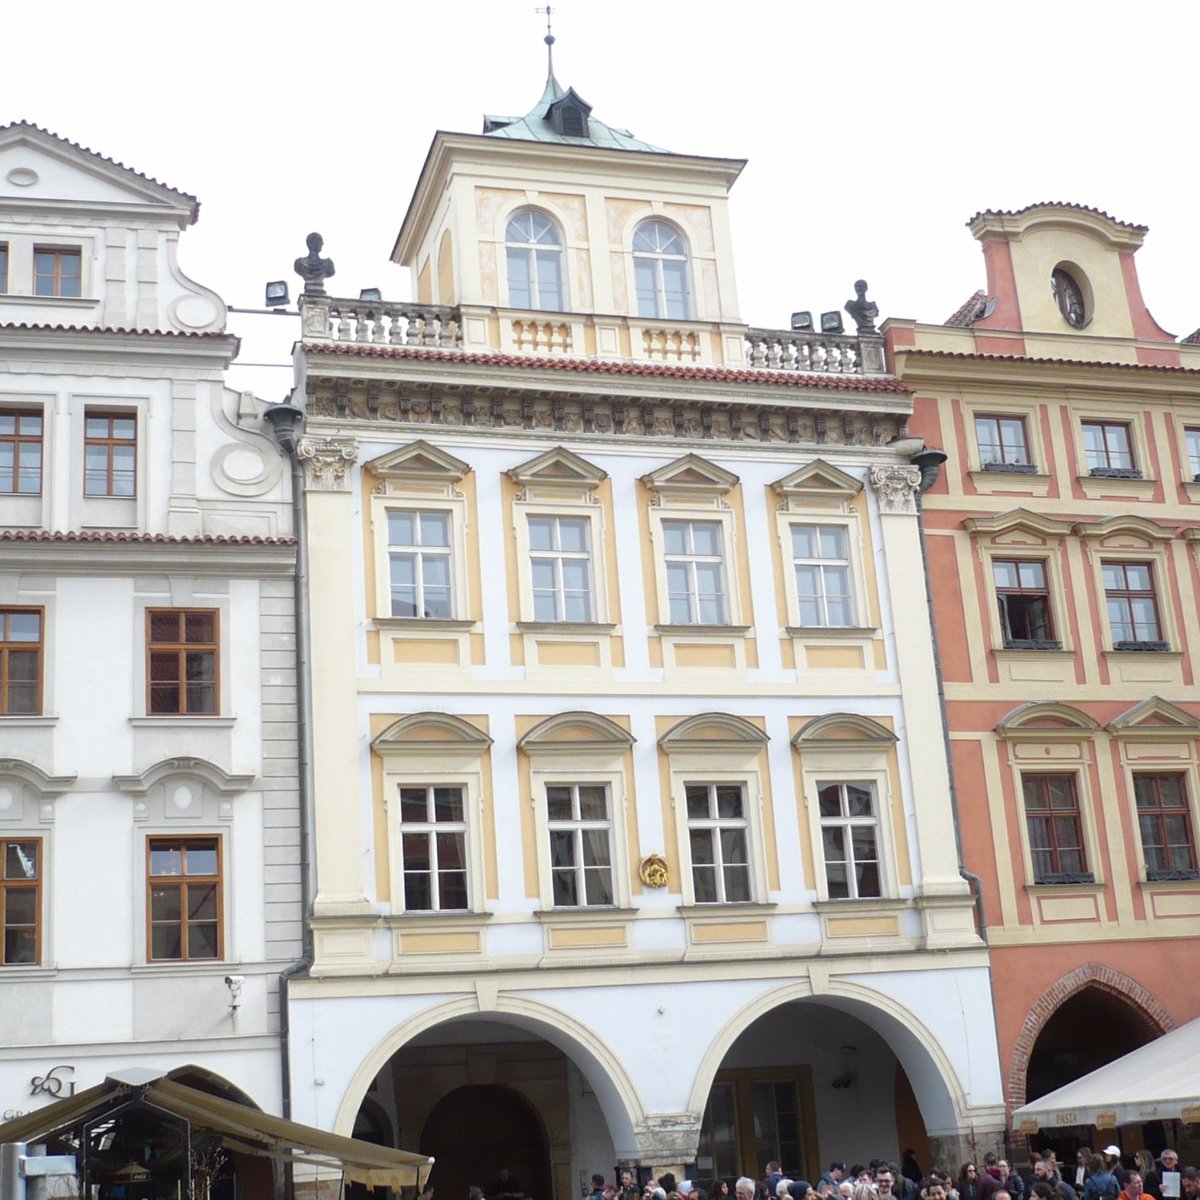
<point x="1055" y="829"/>
<point x="110" y="454"/>
<point x="850" y="840"/>
<point x="20" y="901"/>
<point x="1165" y="823"/>
<point x="1024" y="602"/>
<point x="1132" y="606"/>
<point x="719" y="842"/>
<point x="182" y="654"/>
<point x="20" y="451"/>
<point x="57" y="271"/>
<point x="1003" y="443"/>
<point x="581" y="858"/>
<point x="21" y="647"/>
<point x="184" y="904"/>
<point x="1108" y="449"/>
<point x="433" y="847"/>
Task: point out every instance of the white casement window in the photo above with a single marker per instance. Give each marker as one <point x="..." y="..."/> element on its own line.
<point x="534" y="256"/>
<point x="433" y="847"/>
<point x="660" y="269"/>
<point x="850" y="840"/>
<point x="694" y="558"/>
<point x="579" y="822"/>
<point x="419" y="563"/>
<point x="560" y="563"/>
<point x="821" y="563"/>
<point x="718" y="842"/>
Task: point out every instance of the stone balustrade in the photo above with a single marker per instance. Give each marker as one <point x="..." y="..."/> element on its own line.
<point x="814" y="353"/>
<point x="381" y="322"/>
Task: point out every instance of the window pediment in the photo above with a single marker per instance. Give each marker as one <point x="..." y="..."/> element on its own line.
<point x="691" y="477"/>
<point x="818" y="480"/>
<point x="1124" y="532"/>
<point x="170" y="768"/>
<point x="27" y="792"/>
<point x="1154" y="719"/>
<point x="575" y="731"/>
<point x="558" y="470"/>
<point x="1007" y="528"/>
<point x="843" y="731"/>
<point x="419" y="463"/>
<point x="1047" y="722"/>
<point x="420" y="733"/>
<point x="712" y="731"/>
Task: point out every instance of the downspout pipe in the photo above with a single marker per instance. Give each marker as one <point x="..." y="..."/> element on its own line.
<point x="284" y="420"/>
<point x="928" y="460"/>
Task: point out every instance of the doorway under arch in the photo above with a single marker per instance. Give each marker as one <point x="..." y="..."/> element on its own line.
<point x="476" y="1130"/>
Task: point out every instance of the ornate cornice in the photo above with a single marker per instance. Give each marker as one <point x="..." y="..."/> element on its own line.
<point x="896" y="488"/>
<point x="326" y="461"/>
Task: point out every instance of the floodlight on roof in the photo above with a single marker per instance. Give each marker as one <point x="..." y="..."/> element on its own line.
<point x="802" y="322"/>
<point x="277" y="294"/>
<point x="831" y="322"/>
<point x="370" y="294"/>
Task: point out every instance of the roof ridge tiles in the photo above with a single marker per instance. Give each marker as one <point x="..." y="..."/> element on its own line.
<point x="1059" y="362"/>
<point x="116" y="329"/>
<point x="124" y="536"/>
<point x="1017" y="212"/>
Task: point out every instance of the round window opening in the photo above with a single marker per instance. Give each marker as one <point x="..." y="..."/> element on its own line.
<point x="1068" y="295"/>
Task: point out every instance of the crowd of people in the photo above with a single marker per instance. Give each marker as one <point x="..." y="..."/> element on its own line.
<point x="1093" y="1176"/>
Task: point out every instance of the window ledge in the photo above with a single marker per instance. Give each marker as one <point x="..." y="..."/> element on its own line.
<point x="574" y="627"/>
<point x="737" y="908"/>
<point x="589" y="914"/>
<point x="1133" y="473"/>
<point x="48" y="301"/>
<point x="1145" y="648"/>
<point x="1093" y="887"/>
<point x="14" y="971"/>
<point x="703" y="630"/>
<point x="819" y="632"/>
<point x="1169" y="878"/>
<point x="1008" y="468"/>
<point x="176" y="967"/>
<point x="1037" y="648"/>
<point x="861" y="904"/>
<point x="1135" y="485"/>
<point x="1001" y="478"/>
<point x="185" y="719"/>
<point x="12" y="720"/>
<point x="423" y="623"/>
<point x="414" y="919"/>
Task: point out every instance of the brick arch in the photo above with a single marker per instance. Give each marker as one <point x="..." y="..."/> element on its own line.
<point x="1144" y="1007"/>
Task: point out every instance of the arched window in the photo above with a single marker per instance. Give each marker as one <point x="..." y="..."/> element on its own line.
<point x="660" y="267"/>
<point x="533" y="246"/>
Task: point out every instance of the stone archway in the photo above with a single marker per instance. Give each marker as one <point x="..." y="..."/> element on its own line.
<point x="1143" y="1007"/>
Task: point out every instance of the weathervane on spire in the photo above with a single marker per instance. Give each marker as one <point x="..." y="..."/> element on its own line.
<point x="549" y="38"/>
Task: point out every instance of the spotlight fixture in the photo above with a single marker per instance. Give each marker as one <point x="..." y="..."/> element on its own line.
<point x="277" y="294"/>
<point x="370" y="294"/>
<point x="802" y="322"/>
<point x="831" y="322"/>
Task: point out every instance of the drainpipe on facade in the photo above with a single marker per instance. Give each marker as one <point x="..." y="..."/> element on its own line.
<point x="929" y="461"/>
<point x="284" y="420"/>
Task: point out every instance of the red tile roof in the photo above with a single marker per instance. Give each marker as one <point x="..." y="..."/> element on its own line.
<point x="161" y="539"/>
<point x="597" y="366"/>
<point x="1056" y="362"/>
<point x="968" y="311"/>
<point x="104" y="158"/>
<point x="116" y="329"/>
<point x="1192" y="339"/>
<point x="1016" y="212"/>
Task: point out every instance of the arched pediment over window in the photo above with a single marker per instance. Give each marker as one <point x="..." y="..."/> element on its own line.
<point x="1048" y="721"/>
<point x="843" y="731"/>
<point x="420" y="733"/>
<point x="712" y="730"/>
<point x="575" y="730"/>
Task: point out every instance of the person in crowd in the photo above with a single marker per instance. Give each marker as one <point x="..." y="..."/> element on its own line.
<point x="1152" y="1180"/>
<point x="863" y="1191"/>
<point x="1134" y="1188"/>
<point x="833" y="1176"/>
<point x="1101" y="1183"/>
<point x="933" y="1189"/>
<point x="860" y="1174"/>
<point x="1143" y="1162"/>
<point x="885" y="1182"/>
<point x="1112" y="1160"/>
<point x="744" y="1188"/>
<point x="1043" y="1173"/>
<point x="503" y="1185"/>
<point x="667" y="1182"/>
<point x="1078" y="1177"/>
<point x="629" y="1189"/>
<point x="772" y="1174"/>
<point x="597" y="1192"/>
<point x="1010" y="1181"/>
<point x="1189" y="1182"/>
<point x="909" y="1167"/>
<point x="720" y="1190"/>
<point x="474" y="1192"/>
<point x="968" y="1182"/>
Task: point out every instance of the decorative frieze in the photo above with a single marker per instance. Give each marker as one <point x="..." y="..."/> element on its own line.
<point x="896" y="488"/>
<point x="326" y="461"/>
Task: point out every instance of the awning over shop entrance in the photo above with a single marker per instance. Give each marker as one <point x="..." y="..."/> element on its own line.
<point x="1157" y="1082"/>
<point x="242" y="1129"/>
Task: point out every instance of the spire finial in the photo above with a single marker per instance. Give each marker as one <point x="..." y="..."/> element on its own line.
<point x="549" y="40"/>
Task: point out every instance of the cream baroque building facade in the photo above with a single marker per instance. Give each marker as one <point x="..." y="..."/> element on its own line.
<point x="149" y="819"/>
<point x="634" y="839"/>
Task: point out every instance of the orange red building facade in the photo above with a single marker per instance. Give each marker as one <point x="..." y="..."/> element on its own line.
<point x="1063" y="544"/>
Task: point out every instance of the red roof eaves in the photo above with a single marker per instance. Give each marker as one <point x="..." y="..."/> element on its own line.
<point x="104" y="158"/>
<point x="1056" y="362"/>
<point x="1017" y="212"/>
<point x="158" y="539"/>
<point x="115" y="329"/>
<point x="597" y="366"/>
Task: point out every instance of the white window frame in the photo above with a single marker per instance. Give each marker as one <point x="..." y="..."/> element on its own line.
<point x="419" y="551"/>
<point x="577" y="827"/>
<point x="853" y="561"/>
<point x="558" y="556"/>
<point x="455" y="508"/>
<point x="723" y="519"/>
<point x="848" y="824"/>
<point x="577" y="507"/>
<point x="715" y="824"/>
<point x="656" y="259"/>
<point x="531" y="248"/>
<point x="430" y="829"/>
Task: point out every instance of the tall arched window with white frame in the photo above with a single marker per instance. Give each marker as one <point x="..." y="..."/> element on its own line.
<point x="660" y="269"/>
<point x="533" y="247"/>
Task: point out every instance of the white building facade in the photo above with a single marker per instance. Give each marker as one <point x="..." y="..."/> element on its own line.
<point x="149" y="827"/>
<point x="634" y="837"/>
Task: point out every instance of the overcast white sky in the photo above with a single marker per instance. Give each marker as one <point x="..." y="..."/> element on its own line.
<point x="873" y="130"/>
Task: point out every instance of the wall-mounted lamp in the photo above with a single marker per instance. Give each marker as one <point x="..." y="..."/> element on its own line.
<point x="831" y="322"/>
<point x="234" y="983"/>
<point x="802" y="322"/>
<point x="370" y="294"/>
<point x="276" y="294"/>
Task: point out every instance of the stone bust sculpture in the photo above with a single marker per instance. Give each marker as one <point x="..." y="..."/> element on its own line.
<point x="312" y="268"/>
<point x="863" y="311"/>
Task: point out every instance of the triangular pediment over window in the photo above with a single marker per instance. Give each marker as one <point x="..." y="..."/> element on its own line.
<point x="843" y="731"/>
<point x="1155" y="718"/>
<point x="818" y="479"/>
<point x="575" y="730"/>
<point x="45" y="169"/>
<point x="1047" y="722"/>
<point x="419" y="463"/>
<point x="691" y="475"/>
<point x="420" y="733"/>
<point x="712" y="731"/>
<point x="559" y="467"/>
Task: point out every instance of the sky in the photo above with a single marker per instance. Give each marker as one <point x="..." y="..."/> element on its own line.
<point x="873" y="131"/>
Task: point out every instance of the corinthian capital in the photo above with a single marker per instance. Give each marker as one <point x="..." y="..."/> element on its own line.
<point x="896" y="488"/>
<point x="326" y="462"/>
